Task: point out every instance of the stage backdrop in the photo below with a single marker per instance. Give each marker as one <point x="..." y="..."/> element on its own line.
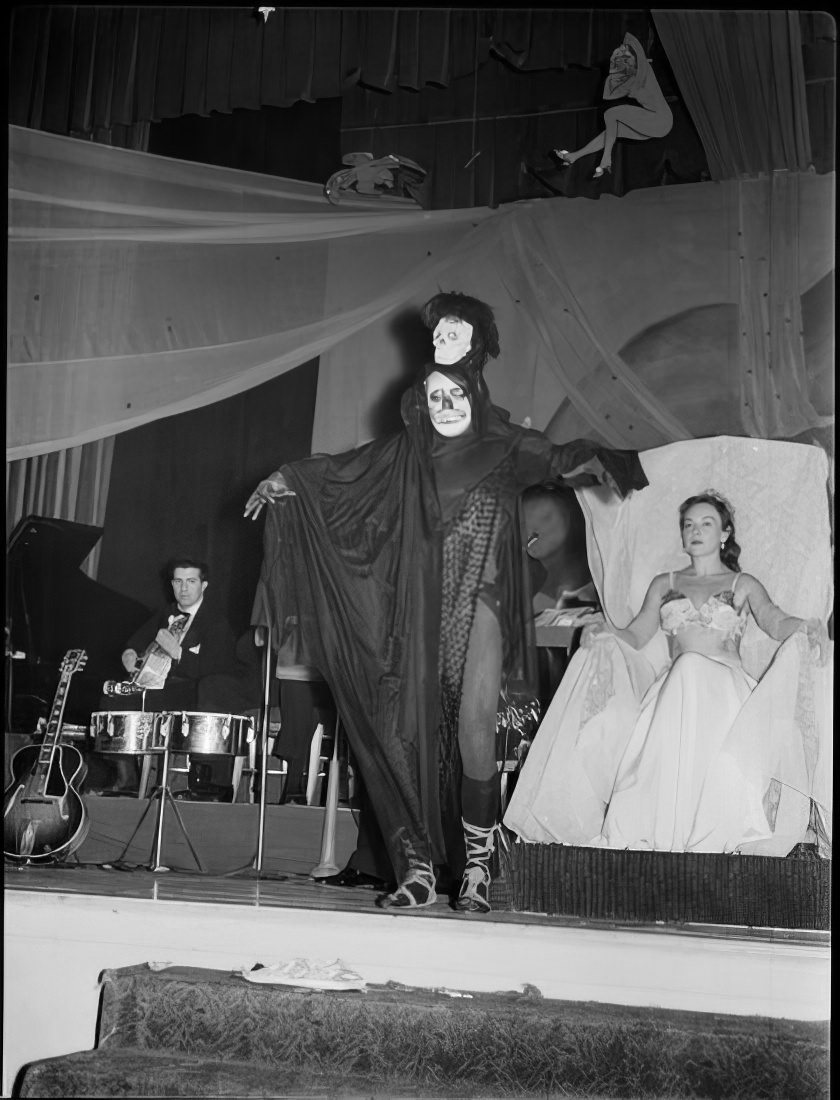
<point x="141" y="286"/>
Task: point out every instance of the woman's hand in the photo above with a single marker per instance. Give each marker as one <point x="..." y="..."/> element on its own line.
<point x="595" y="634"/>
<point x="269" y="490"/>
<point x="818" y="639"/>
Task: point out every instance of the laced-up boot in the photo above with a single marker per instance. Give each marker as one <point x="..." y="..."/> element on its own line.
<point x="474" y="896"/>
<point x="417" y="888"/>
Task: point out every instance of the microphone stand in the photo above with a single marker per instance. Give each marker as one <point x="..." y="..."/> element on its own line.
<point x="264" y="731"/>
<point x="256" y="869"/>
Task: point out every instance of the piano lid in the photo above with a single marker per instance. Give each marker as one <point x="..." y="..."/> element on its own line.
<point x="38" y="537"/>
<point x="52" y="606"/>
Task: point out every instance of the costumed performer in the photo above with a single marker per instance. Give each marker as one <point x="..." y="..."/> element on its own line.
<point x="398" y="570"/>
<point x="702" y="759"/>
<point x="630" y="75"/>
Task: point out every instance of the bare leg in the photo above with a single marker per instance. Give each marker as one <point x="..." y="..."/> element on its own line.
<point x="480" y="696"/>
<point x="610" y="133"/>
<point x="477" y="744"/>
<point x="593" y="146"/>
<point x="623" y="121"/>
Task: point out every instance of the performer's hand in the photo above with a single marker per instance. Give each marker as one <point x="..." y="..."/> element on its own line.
<point x="168" y="643"/>
<point x="269" y="490"/>
<point x="589" y="473"/>
<point x="129" y="659"/>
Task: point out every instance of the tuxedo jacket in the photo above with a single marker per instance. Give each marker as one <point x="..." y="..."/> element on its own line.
<point x="207" y="648"/>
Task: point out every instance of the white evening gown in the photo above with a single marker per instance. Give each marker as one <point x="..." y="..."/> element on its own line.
<point x="699" y="758"/>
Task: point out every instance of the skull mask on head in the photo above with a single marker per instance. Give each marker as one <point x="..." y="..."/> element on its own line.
<point x="464" y="334"/>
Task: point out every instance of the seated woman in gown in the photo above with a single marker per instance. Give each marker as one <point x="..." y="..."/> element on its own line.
<point x="701" y="757"/>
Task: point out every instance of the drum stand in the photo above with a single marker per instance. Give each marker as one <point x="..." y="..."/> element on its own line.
<point x="162" y="793"/>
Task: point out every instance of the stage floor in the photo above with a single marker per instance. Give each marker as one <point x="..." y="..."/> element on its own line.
<point x="295" y="890"/>
<point x="65" y="924"/>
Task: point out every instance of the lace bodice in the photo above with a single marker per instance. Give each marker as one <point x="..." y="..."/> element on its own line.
<point x="717" y="612"/>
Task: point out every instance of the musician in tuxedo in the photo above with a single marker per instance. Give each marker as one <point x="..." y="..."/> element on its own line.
<point x="202" y="658"/>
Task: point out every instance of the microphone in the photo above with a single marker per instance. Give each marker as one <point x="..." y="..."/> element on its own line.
<point x="120" y="687"/>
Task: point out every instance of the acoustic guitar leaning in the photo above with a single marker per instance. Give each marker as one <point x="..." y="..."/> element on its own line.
<point x="44" y="817"/>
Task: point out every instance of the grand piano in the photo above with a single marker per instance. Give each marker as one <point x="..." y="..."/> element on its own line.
<point x="51" y="607"/>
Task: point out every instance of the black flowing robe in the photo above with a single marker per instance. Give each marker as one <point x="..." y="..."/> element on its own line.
<point x="351" y="584"/>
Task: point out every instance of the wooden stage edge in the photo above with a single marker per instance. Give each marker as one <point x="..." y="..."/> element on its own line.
<point x="67" y="923"/>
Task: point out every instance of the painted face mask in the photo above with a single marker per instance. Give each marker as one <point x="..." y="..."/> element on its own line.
<point x="449" y="407"/>
<point x="452" y="339"/>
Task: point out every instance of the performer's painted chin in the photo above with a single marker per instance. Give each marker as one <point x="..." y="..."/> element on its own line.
<point x="451" y="424"/>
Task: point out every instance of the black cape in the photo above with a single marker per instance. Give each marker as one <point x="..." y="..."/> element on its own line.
<point x="351" y="584"/>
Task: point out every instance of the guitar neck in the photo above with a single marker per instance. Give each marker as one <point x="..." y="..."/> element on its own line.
<point x="54" y="720"/>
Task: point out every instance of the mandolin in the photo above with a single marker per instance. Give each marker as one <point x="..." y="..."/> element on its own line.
<point x="44" y="817"/>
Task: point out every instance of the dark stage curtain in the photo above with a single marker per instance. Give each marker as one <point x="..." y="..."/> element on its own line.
<point x="818" y="31"/>
<point x="742" y="77"/>
<point x="300" y="142"/>
<point x="179" y="486"/>
<point x="78" y="69"/>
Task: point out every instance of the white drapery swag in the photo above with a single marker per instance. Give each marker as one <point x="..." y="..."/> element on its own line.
<point x="141" y="287"/>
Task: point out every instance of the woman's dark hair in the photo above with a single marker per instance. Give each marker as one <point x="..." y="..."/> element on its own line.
<point x="730" y="551"/>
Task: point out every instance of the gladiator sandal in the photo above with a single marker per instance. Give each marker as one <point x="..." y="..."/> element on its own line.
<point x="416" y="889"/>
<point x="474" y="896"/>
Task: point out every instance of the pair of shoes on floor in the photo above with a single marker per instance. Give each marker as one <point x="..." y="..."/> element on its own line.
<point x="350" y="877"/>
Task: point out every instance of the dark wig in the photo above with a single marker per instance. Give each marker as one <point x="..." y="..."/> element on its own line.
<point x="484" y="345"/>
<point x="730" y="551"/>
<point x="485" y="337"/>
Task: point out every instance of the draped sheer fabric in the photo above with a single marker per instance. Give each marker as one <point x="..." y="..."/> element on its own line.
<point x="772" y="353"/>
<point x="141" y="286"/>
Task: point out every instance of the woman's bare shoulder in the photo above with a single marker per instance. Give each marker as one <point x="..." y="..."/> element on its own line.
<point x="660" y="583"/>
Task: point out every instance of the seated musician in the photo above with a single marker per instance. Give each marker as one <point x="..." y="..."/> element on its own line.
<point x="199" y="652"/>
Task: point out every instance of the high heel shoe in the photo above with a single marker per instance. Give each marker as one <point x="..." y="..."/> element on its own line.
<point x="561" y="156"/>
<point x="600" y="172"/>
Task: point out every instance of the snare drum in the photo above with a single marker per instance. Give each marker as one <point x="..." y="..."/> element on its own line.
<point x="211" y="734"/>
<point x="133" y="732"/>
